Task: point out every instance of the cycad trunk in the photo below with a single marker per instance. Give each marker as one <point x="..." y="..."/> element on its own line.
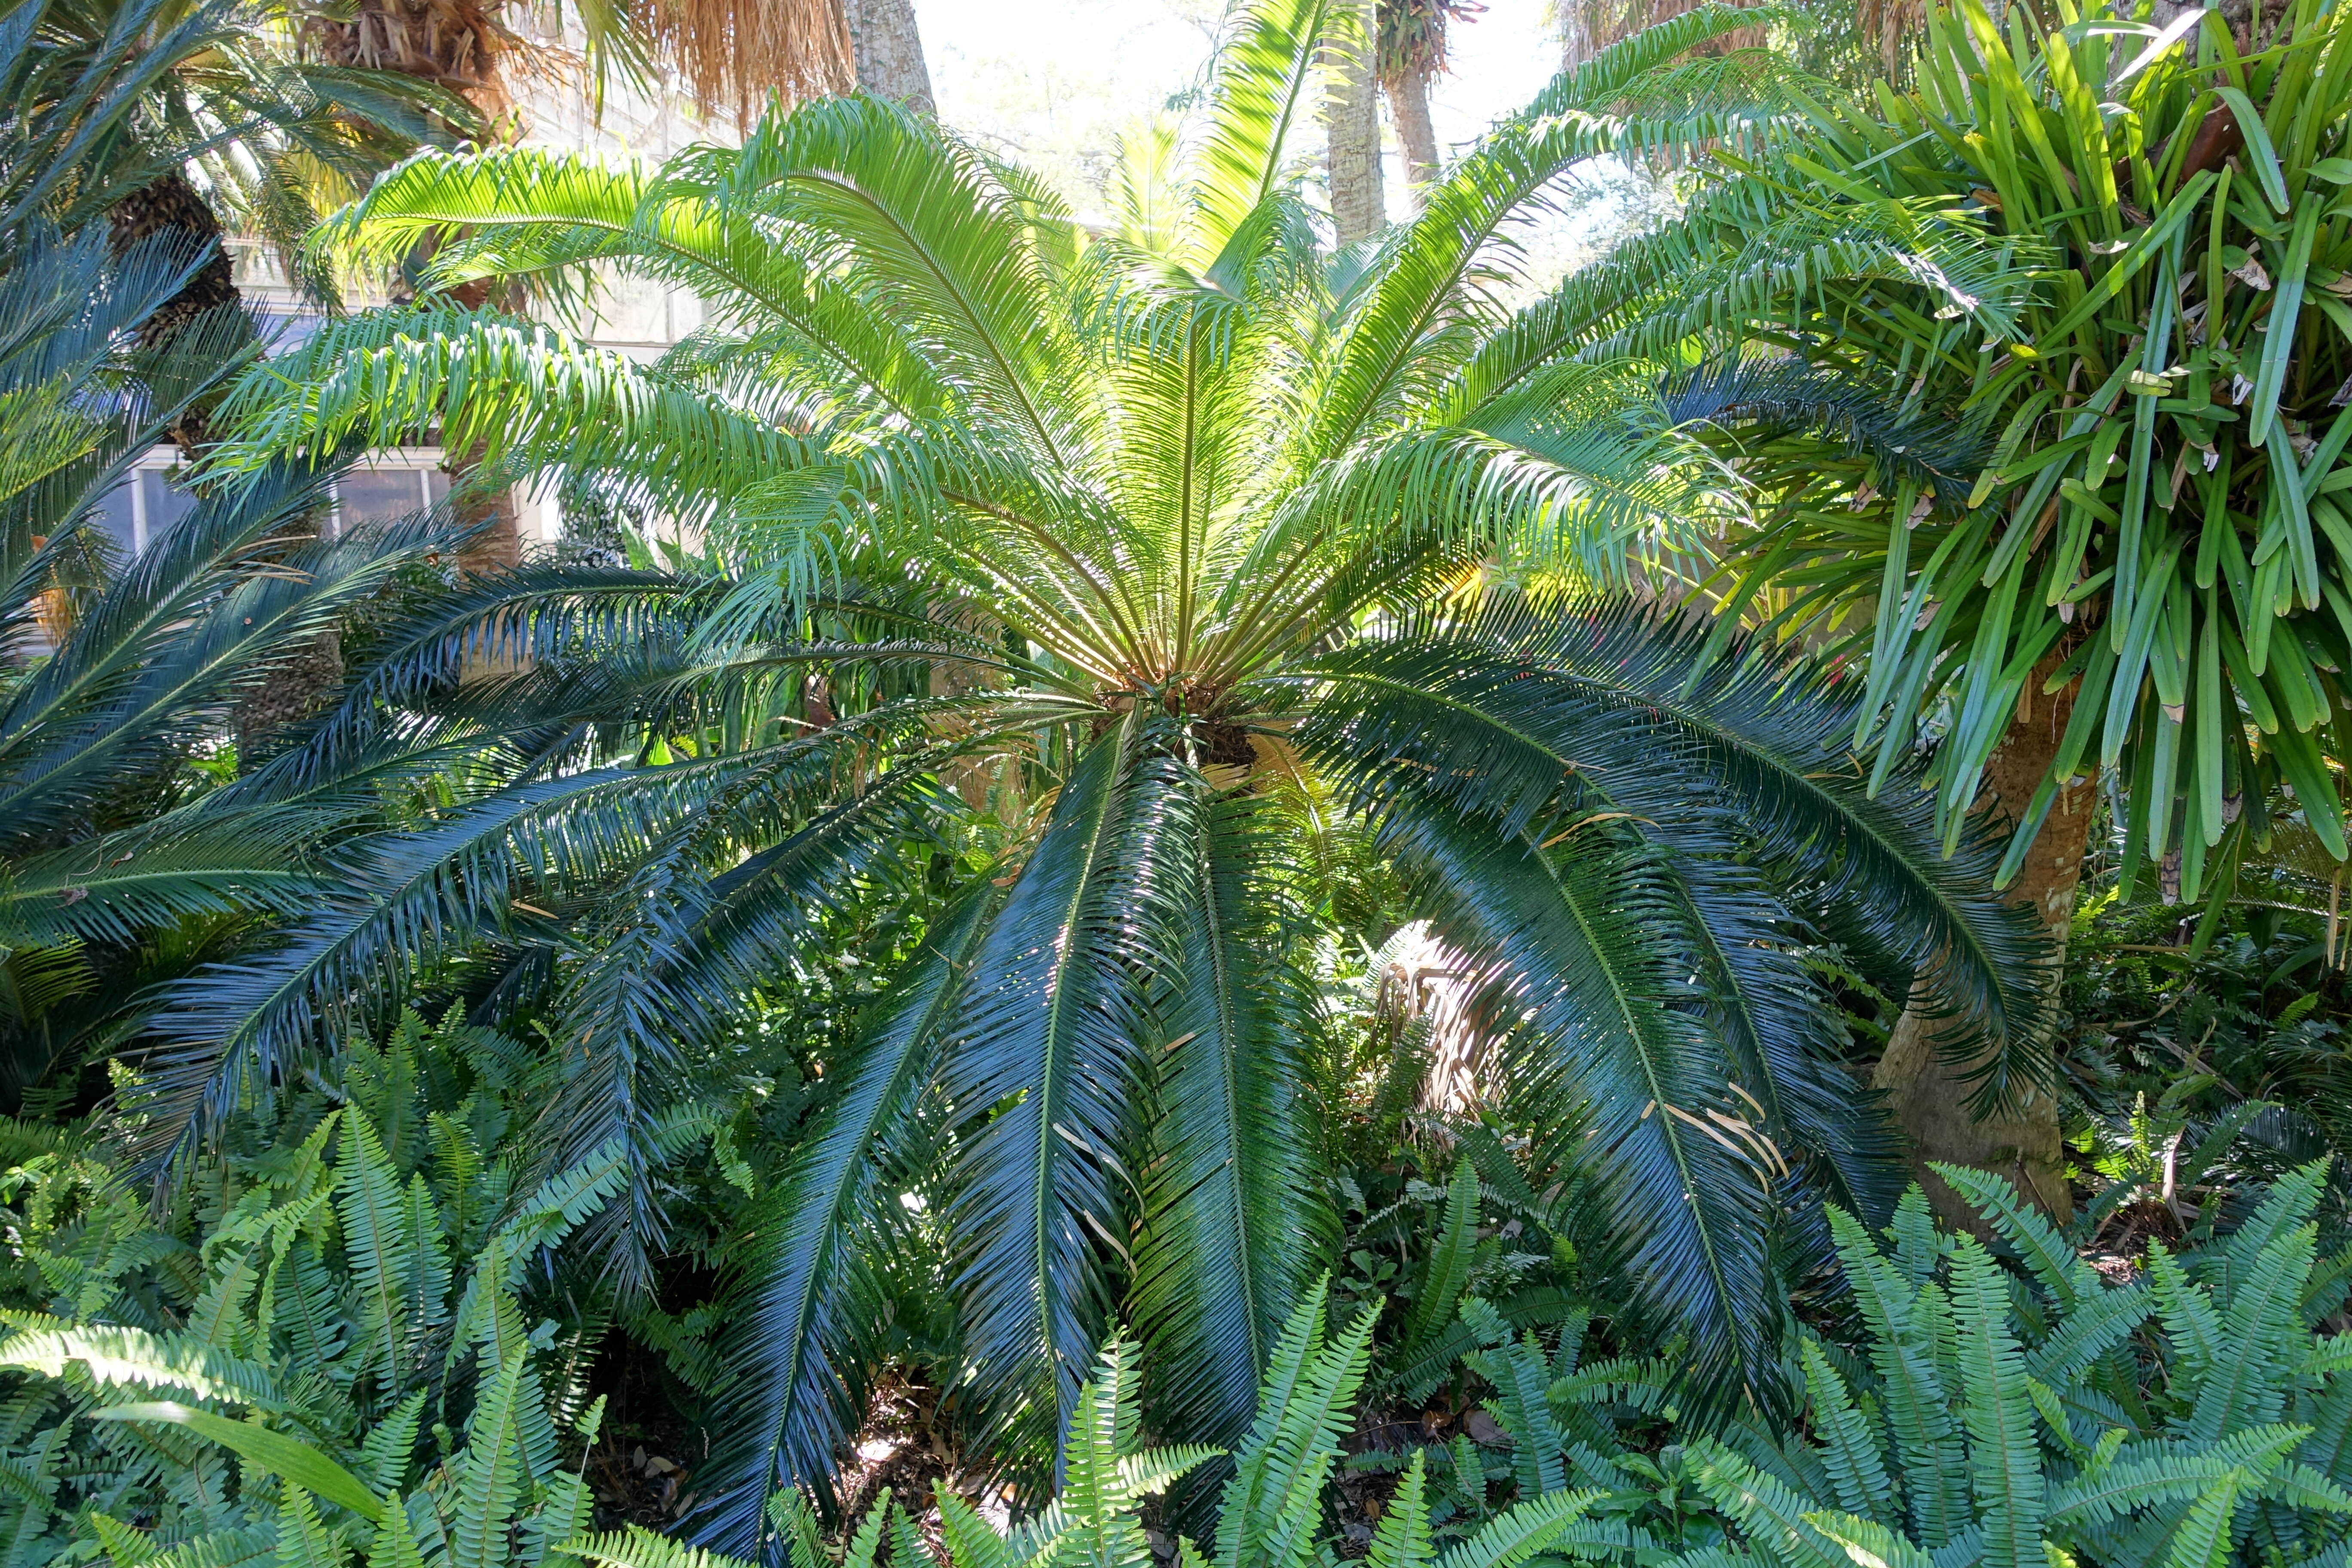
<point x="1351" y="120"/>
<point x="290" y="689"/>
<point x="1409" y="109"/>
<point x="889" y="52"/>
<point x="1928" y="1096"/>
<point x="162" y="204"/>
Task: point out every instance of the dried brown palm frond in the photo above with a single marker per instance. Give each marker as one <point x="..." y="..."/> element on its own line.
<point x="734" y="53"/>
<point x="455" y="44"/>
<point x="728" y="54"/>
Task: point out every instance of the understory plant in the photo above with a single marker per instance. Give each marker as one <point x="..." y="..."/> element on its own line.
<point x="2081" y="432"/>
<point x="2032" y="1413"/>
<point x="1270" y="1512"/>
<point x="1164" y="517"/>
<point x="328" y="1342"/>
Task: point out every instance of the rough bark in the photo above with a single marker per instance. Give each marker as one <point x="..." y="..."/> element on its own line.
<point x="1929" y="1095"/>
<point x="164" y="204"/>
<point x="1409" y="110"/>
<point x="295" y="686"/>
<point x="888" y="47"/>
<point x="1351" y="121"/>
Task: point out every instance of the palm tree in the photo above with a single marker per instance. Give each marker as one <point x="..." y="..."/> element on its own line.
<point x="114" y="675"/>
<point x="2082" y="384"/>
<point x="1351" y="125"/>
<point x="888" y="50"/>
<point x="155" y="117"/>
<point x="1411" y="51"/>
<point x="1231" y="525"/>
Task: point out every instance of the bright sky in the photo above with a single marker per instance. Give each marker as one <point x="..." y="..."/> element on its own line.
<point x="1054" y="81"/>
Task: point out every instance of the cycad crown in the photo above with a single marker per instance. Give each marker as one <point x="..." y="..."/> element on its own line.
<point x="1168" y="512"/>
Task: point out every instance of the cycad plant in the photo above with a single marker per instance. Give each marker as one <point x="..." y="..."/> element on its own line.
<point x="116" y="674"/>
<point x="1171" y="496"/>
<point x="2079" y="497"/>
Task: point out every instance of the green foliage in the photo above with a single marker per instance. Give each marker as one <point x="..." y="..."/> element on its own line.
<point x="1270" y="1513"/>
<point x="2078" y="428"/>
<point x="338" y="1309"/>
<point x="1138" y="518"/>
<point x="105" y="97"/>
<point x="2193" y="1415"/>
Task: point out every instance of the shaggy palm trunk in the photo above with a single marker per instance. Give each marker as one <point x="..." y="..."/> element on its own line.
<point x="889" y="52"/>
<point x="455" y="45"/>
<point x="1351" y="120"/>
<point x="1929" y="1096"/>
<point x="1409" y="109"/>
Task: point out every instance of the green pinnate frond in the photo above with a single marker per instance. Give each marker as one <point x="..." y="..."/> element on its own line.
<point x="1849" y="1443"/>
<point x="1527" y="1529"/>
<point x="1102" y="1530"/>
<point x="385" y="1451"/>
<point x="1448" y="1268"/>
<point x="1402" y="1539"/>
<point x="1765" y="1507"/>
<point x="2005" y="1449"/>
<point x="970" y="1539"/>
<point x="863" y="1549"/>
<point x="1867" y="1541"/>
<point x="489" y="1473"/>
<point x="638" y="1547"/>
<point x="1522" y="1403"/>
<point x="303" y="1540"/>
<point x="1261" y="88"/>
<point x="2263" y="1337"/>
<point x="133" y="1357"/>
<point x="379" y="1234"/>
<point x="2061" y="1271"/>
<point x="396" y="1544"/>
<point x="1918" y="1399"/>
<point x="2187" y="1312"/>
<point x="1272" y="1506"/>
<point x="2095" y="1326"/>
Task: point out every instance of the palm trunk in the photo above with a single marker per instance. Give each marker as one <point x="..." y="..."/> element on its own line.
<point x="889" y="52"/>
<point x="1927" y="1094"/>
<point x="1409" y="109"/>
<point x="1352" y="122"/>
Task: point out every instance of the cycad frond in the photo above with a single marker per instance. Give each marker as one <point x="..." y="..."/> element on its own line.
<point x="1048" y="1032"/>
<point x="798" y="1358"/>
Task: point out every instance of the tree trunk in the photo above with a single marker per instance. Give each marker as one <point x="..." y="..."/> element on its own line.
<point x="169" y="202"/>
<point x="889" y="51"/>
<point x="294" y="687"/>
<point x="1927" y="1094"/>
<point x="1352" y="122"/>
<point x="1409" y="109"/>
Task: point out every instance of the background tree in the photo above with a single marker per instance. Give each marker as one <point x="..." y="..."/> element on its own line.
<point x="889" y="52"/>
<point x="2093" y="535"/>
<point x="1351" y="125"/>
<point x="1411" y="52"/>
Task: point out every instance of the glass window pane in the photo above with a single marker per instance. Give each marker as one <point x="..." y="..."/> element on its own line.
<point x="375" y="495"/>
<point x="167" y="503"/>
<point x="111" y="517"/>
